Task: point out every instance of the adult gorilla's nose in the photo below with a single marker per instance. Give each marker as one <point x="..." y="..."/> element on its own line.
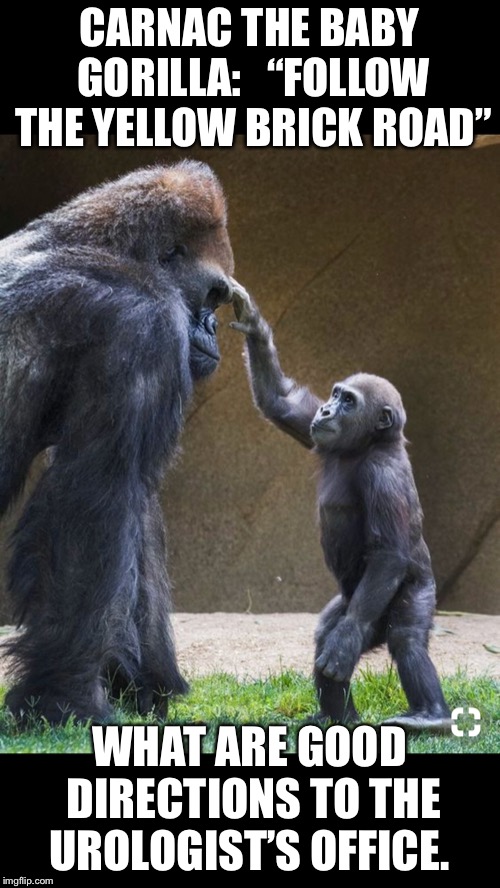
<point x="221" y="292"/>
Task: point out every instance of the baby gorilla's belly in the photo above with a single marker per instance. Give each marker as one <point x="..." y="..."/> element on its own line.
<point x="343" y="543"/>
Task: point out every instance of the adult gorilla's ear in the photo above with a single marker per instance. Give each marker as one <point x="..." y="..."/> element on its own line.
<point x="386" y="418"/>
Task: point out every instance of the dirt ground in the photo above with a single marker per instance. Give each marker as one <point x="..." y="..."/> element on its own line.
<point x="259" y="645"/>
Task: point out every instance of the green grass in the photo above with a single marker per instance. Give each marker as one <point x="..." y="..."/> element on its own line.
<point x="286" y="699"/>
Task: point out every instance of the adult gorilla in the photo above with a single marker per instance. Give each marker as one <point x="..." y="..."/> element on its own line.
<point x="106" y="319"/>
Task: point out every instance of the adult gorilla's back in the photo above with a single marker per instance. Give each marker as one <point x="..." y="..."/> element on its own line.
<point x="106" y="318"/>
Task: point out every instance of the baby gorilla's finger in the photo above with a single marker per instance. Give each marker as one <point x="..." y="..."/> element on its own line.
<point x="242" y="328"/>
<point x="238" y="291"/>
<point x="322" y="661"/>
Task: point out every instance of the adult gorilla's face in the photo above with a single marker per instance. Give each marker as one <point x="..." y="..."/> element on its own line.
<point x="202" y="268"/>
<point x="204" y="353"/>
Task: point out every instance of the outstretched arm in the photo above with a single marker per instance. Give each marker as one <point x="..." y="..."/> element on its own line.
<point x="289" y="406"/>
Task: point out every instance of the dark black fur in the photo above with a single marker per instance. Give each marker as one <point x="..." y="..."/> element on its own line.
<point x="105" y="320"/>
<point x="371" y="525"/>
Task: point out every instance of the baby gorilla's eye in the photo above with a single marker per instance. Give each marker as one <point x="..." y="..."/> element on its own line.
<point x="171" y="254"/>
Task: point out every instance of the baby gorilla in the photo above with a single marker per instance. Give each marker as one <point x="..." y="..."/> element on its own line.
<point x="371" y="526"/>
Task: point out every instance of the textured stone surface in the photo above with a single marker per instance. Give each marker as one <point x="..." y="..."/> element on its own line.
<point x="386" y="261"/>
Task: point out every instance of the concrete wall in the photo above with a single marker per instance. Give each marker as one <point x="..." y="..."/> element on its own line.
<point x="386" y="261"/>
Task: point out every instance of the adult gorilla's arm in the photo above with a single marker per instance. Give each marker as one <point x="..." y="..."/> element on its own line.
<point x="289" y="406"/>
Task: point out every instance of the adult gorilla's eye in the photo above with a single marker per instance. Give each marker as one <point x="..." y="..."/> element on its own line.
<point x="172" y="253"/>
<point x="348" y="399"/>
<point x="335" y="394"/>
<point x="211" y="323"/>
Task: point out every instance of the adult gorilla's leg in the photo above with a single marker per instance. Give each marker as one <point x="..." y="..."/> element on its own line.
<point x="334" y="697"/>
<point x="73" y="579"/>
<point x="157" y="677"/>
<point x="75" y="572"/>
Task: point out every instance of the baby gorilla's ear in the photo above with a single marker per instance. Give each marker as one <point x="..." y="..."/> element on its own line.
<point x="386" y="418"/>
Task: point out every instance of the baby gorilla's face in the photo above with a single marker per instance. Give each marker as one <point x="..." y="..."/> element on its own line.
<point x="340" y="423"/>
<point x="361" y="409"/>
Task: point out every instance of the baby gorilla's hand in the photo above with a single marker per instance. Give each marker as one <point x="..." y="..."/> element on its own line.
<point x="248" y="317"/>
<point x="341" y="651"/>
